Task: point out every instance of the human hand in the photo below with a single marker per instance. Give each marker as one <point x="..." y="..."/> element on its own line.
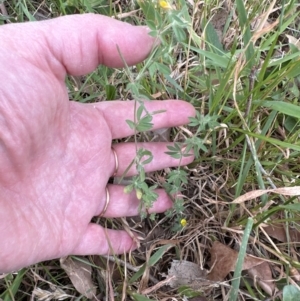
<point x="55" y="155"/>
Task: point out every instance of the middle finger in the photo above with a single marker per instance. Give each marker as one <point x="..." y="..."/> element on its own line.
<point x="125" y="153"/>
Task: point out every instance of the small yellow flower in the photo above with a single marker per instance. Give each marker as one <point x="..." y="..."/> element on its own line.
<point x="139" y="194"/>
<point x="183" y="222"/>
<point x="165" y="4"/>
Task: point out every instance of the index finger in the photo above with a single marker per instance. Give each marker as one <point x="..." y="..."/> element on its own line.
<point x="77" y="44"/>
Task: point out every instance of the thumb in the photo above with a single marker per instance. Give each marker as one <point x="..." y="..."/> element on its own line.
<point x="79" y="43"/>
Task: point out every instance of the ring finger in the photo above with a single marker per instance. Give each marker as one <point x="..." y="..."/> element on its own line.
<point x="127" y="204"/>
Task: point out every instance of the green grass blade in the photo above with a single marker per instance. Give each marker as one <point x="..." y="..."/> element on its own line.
<point x="241" y="180"/>
<point x="138" y="297"/>
<point x="244" y="171"/>
<point x="293" y="207"/>
<point x="245" y="27"/>
<point x="283" y="107"/>
<point x="214" y="59"/>
<point x="152" y="261"/>
<point x="270" y="140"/>
<point x="239" y="264"/>
<point x="11" y="291"/>
<point x="27" y="13"/>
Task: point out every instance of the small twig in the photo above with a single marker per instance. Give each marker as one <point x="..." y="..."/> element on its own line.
<point x="255" y="158"/>
<point x="157" y="286"/>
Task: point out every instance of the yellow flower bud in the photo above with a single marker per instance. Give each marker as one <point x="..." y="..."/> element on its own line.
<point x="165" y="4"/>
<point x="183" y="222"/>
<point x="139" y="194"/>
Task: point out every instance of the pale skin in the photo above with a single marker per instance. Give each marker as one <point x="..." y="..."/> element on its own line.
<point x="55" y="154"/>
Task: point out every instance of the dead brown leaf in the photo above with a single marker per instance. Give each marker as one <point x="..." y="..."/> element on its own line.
<point x="223" y="260"/>
<point x="278" y="231"/>
<point x="250" y="196"/>
<point x="187" y="273"/>
<point x="290" y="191"/>
<point x="80" y="275"/>
<point x="262" y="274"/>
